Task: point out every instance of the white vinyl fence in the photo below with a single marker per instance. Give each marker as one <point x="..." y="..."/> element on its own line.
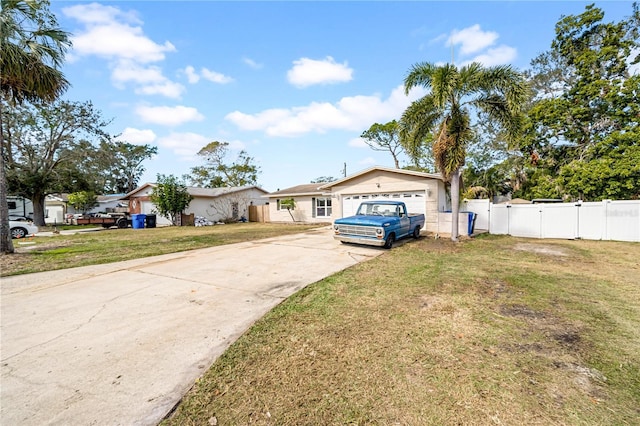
<point x="617" y="220"/>
<point x="482" y="209"/>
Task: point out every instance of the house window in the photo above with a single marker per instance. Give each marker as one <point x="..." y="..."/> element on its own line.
<point x="284" y="204"/>
<point x="323" y="207"/>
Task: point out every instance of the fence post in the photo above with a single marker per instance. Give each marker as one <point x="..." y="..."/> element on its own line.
<point x="605" y="219"/>
<point x="578" y="205"/>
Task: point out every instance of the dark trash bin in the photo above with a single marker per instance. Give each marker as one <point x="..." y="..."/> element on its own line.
<point x="151" y="221"/>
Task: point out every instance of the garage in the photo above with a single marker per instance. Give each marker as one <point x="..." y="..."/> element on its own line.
<point x="421" y="192"/>
<point x="414" y="200"/>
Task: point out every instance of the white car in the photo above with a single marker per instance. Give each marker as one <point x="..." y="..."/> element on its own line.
<point x="22" y="229"/>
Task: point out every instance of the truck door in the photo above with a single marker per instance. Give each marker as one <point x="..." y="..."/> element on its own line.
<point x="405" y="223"/>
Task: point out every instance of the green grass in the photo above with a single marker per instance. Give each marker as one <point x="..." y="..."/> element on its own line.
<point x="487" y="331"/>
<point x="104" y="246"/>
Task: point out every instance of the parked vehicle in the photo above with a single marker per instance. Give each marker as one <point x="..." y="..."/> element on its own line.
<point x="379" y="223"/>
<point x="19" y="206"/>
<point x="22" y="229"/>
<point x="121" y="220"/>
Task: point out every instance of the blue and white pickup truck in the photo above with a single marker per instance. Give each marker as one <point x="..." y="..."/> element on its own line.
<point x="378" y="223"/>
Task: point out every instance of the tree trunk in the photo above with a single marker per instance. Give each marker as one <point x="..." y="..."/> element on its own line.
<point x="38" y="209"/>
<point x="455" y="204"/>
<point x="6" y="244"/>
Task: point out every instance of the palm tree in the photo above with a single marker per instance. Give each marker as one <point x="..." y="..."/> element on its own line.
<point x="33" y="49"/>
<point x="445" y="112"/>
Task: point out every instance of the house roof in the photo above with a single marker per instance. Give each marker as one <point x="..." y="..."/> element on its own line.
<point x="64" y="197"/>
<point x="109" y="197"/>
<point x="298" y="190"/>
<point x="201" y="192"/>
<point x="384" y="169"/>
<point x="216" y="192"/>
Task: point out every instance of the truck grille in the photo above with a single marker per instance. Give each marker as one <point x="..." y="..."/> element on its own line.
<point x="364" y="231"/>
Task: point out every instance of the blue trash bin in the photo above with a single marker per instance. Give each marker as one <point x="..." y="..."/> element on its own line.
<point x="137" y="221"/>
<point x="472" y="222"/>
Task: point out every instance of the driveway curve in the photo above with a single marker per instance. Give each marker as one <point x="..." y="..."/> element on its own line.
<point x="120" y="344"/>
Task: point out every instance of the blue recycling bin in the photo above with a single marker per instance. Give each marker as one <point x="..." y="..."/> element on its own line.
<point x="137" y="221"/>
<point x="472" y="222"/>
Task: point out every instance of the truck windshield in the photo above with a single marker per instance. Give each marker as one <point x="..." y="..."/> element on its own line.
<point x="377" y="209"/>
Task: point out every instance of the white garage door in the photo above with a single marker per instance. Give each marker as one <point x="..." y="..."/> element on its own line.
<point x="415" y="201"/>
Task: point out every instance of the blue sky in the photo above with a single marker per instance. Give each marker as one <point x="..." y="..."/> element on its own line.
<point x="294" y="84"/>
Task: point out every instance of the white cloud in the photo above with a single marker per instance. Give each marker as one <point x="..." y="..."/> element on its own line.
<point x="111" y="33"/>
<point x="253" y="64"/>
<point x="168" y="89"/>
<point x="308" y="72"/>
<point x="118" y="37"/>
<point x="358" y="143"/>
<point x="168" y="116"/>
<point x="497" y="56"/>
<point x="126" y="71"/>
<point x="354" y="113"/>
<point x="472" y="39"/>
<point x="215" y="77"/>
<point x="236" y="145"/>
<point x="137" y="136"/>
<point x="148" y="80"/>
<point x="192" y="75"/>
<point x="477" y="45"/>
<point x="96" y="14"/>
<point x="368" y="161"/>
<point x="184" y="145"/>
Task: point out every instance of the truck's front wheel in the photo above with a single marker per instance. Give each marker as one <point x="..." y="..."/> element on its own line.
<point x="388" y="243"/>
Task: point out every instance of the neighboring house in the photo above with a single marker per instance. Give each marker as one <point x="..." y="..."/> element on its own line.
<point x="214" y="204"/>
<point x="57" y="206"/>
<point x="312" y="205"/>
<point x="322" y="203"/>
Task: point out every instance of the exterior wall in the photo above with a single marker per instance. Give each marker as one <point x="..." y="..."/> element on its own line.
<point x="302" y="213"/>
<point x="221" y="208"/>
<point x="147" y="207"/>
<point x="380" y="181"/>
<point x="444" y="224"/>
<point x="54" y="213"/>
<point x="212" y="208"/>
<point x="103" y="206"/>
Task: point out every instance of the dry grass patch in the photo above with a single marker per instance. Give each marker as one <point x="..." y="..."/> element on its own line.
<point x="476" y="333"/>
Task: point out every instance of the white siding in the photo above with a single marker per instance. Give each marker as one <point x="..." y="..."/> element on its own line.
<point x="415" y="201"/>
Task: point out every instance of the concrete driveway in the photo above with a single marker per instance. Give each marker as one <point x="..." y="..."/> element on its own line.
<point x="120" y="344"/>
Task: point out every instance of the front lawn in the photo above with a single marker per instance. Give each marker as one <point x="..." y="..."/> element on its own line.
<point x="490" y="331"/>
